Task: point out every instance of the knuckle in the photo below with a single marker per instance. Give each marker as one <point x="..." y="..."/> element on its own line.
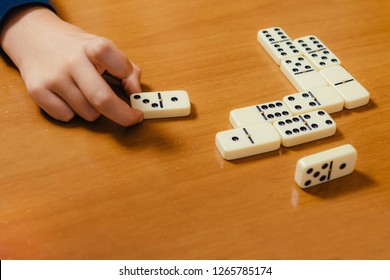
<point x="100" y="100"/>
<point x="36" y="90"/>
<point x="100" y="45"/>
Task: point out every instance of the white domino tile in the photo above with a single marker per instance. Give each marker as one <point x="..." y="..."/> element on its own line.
<point x="317" y="52"/>
<point x="276" y="42"/>
<point x="326" y="98"/>
<point x="247" y="141"/>
<point x="325" y="166"/>
<point x="260" y="113"/>
<point x="354" y="94"/>
<point x="305" y="128"/>
<point x="162" y="104"/>
<point x="302" y="74"/>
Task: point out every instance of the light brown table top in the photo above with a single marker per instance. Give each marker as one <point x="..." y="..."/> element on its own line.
<point x="161" y="190"/>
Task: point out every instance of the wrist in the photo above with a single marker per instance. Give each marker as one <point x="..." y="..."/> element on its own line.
<point x="19" y="26"/>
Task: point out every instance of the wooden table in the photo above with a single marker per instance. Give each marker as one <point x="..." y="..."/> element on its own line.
<point x="161" y="190"/>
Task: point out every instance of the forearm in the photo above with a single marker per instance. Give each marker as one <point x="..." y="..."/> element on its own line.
<point x="30" y="26"/>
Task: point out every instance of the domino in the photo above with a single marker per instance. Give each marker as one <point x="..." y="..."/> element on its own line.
<point x="305" y="128"/>
<point x="316" y="51"/>
<point x="278" y="45"/>
<point x="247" y="141"/>
<point x="302" y="74"/>
<point x="354" y="94"/>
<point x="325" y="166"/>
<point x="326" y="98"/>
<point x="162" y="104"/>
<point x="266" y="112"/>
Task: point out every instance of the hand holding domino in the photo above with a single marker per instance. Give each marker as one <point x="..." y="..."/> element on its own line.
<point x="162" y="104"/>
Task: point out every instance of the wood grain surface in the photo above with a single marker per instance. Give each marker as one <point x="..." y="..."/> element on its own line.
<point x="161" y="190"/>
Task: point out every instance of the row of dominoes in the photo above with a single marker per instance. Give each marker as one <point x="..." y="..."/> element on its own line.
<point x="325" y="87"/>
<point x="331" y="88"/>
<point x="309" y="64"/>
<point x="297" y="118"/>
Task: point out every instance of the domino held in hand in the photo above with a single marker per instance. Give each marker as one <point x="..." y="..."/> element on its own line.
<point x="162" y="104"/>
<point x="325" y="166"/>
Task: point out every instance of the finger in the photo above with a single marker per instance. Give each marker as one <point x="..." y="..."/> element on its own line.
<point x="52" y="104"/>
<point x="102" y="98"/>
<point x="106" y="56"/>
<point x="72" y="95"/>
<point x="132" y="84"/>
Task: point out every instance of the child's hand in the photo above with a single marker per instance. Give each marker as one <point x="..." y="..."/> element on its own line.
<point x="62" y="67"/>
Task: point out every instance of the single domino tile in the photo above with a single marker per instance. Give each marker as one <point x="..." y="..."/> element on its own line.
<point x="302" y="74"/>
<point x="247" y="141"/>
<point x="265" y="112"/>
<point x="354" y="94"/>
<point x="276" y="42"/>
<point x="316" y="51"/>
<point x="305" y="128"/>
<point x="162" y="104"/>
<point x="325" y="166"/>
<point x="326" y="98"/>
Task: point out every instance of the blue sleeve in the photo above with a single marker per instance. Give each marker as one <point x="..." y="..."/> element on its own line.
<point x="8" y="5"/>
